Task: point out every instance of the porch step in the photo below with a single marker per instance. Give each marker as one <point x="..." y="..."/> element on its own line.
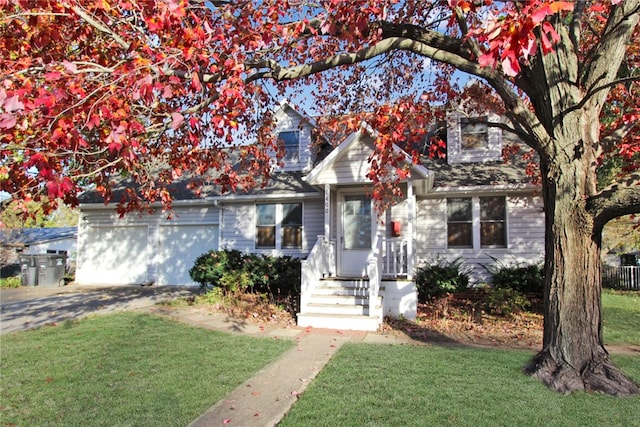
<point x="342" y="303"/>
<point x="342" y="321"/>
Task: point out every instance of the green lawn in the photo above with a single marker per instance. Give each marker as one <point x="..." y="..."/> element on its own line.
<point x="124" y="369"/>
<point x="621" y="318"/>
<point x="372" y="385"/>
<point x="377" y="385"/>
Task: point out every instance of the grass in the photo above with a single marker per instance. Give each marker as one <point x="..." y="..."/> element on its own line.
<point x="123" y="369"/>
<point x="374" y="385"/>
<point x="621" y="317"/>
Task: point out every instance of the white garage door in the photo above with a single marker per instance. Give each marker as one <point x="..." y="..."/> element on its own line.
<point x="180" y="245"/>
<point x="115" y="255"/>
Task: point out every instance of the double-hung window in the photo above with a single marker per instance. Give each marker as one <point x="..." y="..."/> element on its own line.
<point x="474" y="133"/>
<point x="279" y="226"/>
<point x="266" y="226"/>
<point x="292" y="225"/>
<point x="290" y="144"/>
<point x="477" y="222"/>
<point x="459" y="223"/>
<point x="493" y="219"/>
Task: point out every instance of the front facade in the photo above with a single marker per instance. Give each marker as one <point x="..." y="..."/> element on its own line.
<point x="357" y="267"/>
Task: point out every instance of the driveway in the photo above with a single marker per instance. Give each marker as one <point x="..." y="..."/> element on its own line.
<point x="30" y="307"/>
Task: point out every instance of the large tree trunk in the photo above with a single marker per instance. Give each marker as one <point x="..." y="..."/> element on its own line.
<point x="573" y="356"/>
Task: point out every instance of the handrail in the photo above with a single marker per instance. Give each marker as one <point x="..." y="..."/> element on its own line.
<point x="374" y="271"/>
<point x="394" y="261"/>
<point x="319" y="263"/>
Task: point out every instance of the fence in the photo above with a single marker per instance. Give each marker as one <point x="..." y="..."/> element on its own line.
<point x="624" y="277"/>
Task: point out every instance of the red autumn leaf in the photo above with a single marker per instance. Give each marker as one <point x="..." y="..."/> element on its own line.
<point x="177" y="120"/>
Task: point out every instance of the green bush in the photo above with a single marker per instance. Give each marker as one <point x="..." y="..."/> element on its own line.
<point x="11" y="282"/>
<point x="504" y="302"/>
<point x="235" y="282"/>
<point x="209" y="267"/>
<point x="276" y="277"/>
<point x="521" y="277"/>
<point x="441" y="277"/>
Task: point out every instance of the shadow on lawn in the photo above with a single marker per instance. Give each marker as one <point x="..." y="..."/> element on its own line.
<point x="67" y="304"/>
<point x="421" y="333"/>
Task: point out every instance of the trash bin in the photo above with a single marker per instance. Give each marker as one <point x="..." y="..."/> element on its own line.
<point x="50" y="269"/>
<point x="28" y="270"/>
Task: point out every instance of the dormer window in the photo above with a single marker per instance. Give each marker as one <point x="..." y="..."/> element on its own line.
<point x="473" y="133"/>
<point x="290" y="144"/>
<point x="473" y="139"/>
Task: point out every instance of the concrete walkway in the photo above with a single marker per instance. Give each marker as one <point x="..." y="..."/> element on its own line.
<point x="265" y="398"/>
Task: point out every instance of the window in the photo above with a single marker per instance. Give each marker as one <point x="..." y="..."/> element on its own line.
<point x="492" y="222"/>
<point x="292" y="225"/>
<point x="477" y="222"/>
<point x="459" y="223"/>
<point x="473" y="133"/>
<point x="279" y="226"/>
<point x="265" y="226"/>
<point x="290" y="143"/>
<point x="357" y="222"/>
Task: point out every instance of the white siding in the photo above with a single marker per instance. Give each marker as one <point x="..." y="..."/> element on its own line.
<point x="525" y="234"/>
<point x="68" y="245"/>
<point x="239" y="226"/>
<point x="351" y="167"/>
<point x="455" y="153"/>
<point x="132" y="254"/>
<point x="289" y="120"/>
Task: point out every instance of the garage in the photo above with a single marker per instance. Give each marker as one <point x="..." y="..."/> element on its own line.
<point x="115" y="255"/>
<point x="179" y="246"/>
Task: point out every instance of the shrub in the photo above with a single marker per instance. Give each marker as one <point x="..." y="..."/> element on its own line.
<point x="276" y="277"/>
<point x="521" y="277"/>
<point x="234" y="282"/>
<point x="209" y="267"/>
<point x="504" y="302"/>
<point x="441" y="277"/>
<point x="11" y="282"/>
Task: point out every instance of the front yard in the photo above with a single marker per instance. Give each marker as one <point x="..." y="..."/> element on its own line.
<point x="124" y="369"/>
<point x="137" y="369"/>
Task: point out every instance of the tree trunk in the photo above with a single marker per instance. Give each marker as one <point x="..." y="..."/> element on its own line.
<point x="573" y="356"/>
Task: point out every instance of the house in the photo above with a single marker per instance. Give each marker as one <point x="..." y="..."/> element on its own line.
<point x="18" y="242"/>
<point x="34" y="241"/>
<point x="356" y="267"/>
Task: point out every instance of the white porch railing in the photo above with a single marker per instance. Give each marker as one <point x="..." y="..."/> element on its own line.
<point x="374" y="271"/>
<point x="320" y="262"/>
<point x="394" y="257"/>
<point x="623" y="277"/>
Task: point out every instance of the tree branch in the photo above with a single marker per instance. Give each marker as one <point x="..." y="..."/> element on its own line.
<point x="605" y="59"/>
<point x="620" y="198"/>
<point x="99" y="26"/>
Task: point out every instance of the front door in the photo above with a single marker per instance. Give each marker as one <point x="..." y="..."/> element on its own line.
<point x="356" y="234"/>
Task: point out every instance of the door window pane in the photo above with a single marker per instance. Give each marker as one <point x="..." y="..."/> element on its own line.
<point x="357" y="222"/>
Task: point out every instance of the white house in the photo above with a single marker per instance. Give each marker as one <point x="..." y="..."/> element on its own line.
<point x="357" y="268"/>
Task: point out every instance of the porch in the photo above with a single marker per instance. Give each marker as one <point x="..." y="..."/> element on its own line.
<point x="331" y="300"/>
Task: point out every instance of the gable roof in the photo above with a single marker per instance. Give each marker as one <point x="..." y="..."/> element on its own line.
<point x="32" y="236"/>
<point x="360" y="137"/>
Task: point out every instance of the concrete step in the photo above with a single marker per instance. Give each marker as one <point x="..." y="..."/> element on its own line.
<point x="343" y="321"/>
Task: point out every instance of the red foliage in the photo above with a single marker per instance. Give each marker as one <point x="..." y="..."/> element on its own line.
<point x="150" y="91"/>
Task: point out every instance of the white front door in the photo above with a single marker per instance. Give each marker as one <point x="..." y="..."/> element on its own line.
<point x="356" y="234"/>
